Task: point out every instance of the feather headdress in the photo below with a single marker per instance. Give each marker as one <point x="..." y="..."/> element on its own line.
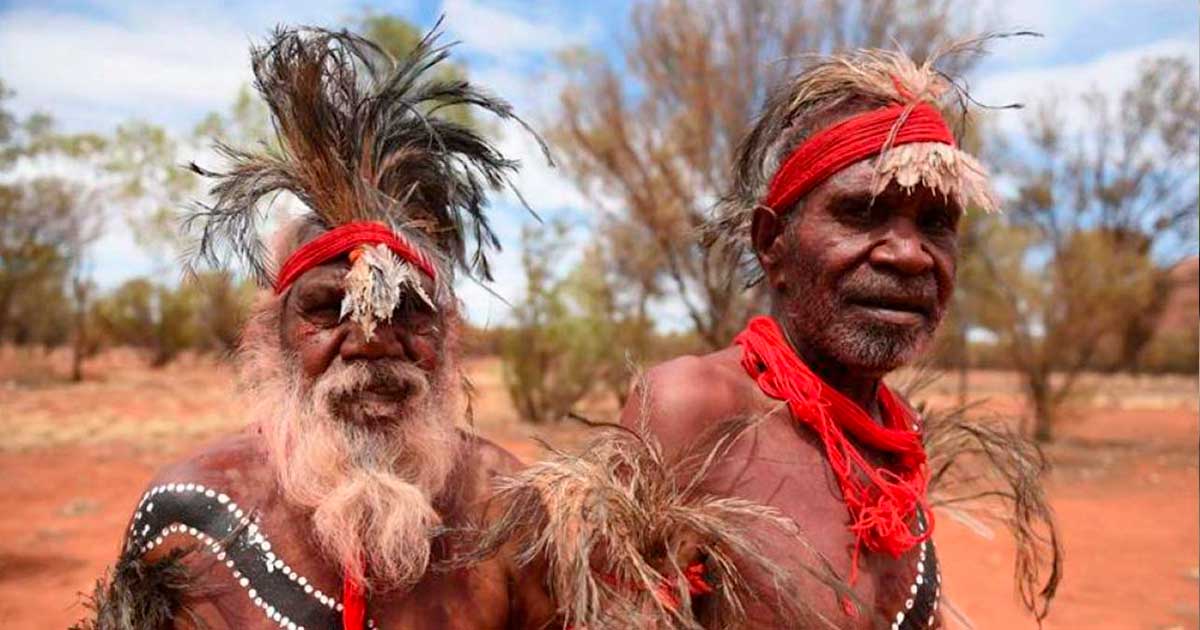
<point x="361" y="138"/>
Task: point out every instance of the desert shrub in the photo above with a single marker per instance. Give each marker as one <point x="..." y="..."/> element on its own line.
<point x="482" y="342"/>
<point x="1175" y="353"/>
<point x="549" y="353"/>
<point x="222" y="304"/>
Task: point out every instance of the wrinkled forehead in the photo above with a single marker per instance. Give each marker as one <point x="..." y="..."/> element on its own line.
<point x="859" y="182"/>
<point x="855" y="187"/>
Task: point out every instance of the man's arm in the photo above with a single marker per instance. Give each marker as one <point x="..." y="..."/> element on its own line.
<point x="153" y="582"/>
<point x="184" y="539"/>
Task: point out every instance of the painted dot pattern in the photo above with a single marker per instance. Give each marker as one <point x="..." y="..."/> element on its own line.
<point x="234" y="537"/>
<point x="921" y="601"/>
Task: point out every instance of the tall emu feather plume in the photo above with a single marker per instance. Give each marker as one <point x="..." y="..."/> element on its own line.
<point x="361" y="137"/>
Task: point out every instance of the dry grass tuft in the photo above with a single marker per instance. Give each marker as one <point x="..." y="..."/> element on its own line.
<point x="619" y="523"/>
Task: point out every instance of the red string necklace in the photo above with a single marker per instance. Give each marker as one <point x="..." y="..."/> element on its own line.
<point x="881" y="501"/>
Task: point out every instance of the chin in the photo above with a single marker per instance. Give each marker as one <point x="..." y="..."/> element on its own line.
<point x="874" y="347"/>
<point x="370" y="414"/>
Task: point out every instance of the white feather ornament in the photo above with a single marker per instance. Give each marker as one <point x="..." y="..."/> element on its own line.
<point x="375" y="284"/>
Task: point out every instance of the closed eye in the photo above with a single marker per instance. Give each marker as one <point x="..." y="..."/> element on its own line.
<point x="321" y="305"/>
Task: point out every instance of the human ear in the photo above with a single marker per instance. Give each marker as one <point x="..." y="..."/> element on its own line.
<point x="765" y="228"/>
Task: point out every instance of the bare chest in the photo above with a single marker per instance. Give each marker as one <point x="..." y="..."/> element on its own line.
<point x="784" y="466"/>
<point x="256" y="567"/>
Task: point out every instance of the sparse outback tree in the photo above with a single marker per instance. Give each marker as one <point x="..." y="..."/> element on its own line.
<point x="1101" y="213"/>
<point x="651" y="136"/>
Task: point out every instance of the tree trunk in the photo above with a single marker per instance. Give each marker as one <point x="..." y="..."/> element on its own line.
<point x="78" y="346"/>
<point x="1140" y="328"/>
<point x="964" y="362"/>
<point x="1043" y="407"/>
<point x="5" y="305"/>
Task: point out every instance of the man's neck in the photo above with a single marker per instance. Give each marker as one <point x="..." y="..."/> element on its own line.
<point x="862" y="389"/>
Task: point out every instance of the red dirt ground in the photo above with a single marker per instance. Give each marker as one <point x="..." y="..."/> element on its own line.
<point x="75" y="458"/>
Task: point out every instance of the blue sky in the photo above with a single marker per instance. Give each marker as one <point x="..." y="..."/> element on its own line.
<point x="95" y="64"/>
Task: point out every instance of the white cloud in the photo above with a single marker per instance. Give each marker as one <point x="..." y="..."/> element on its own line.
<point x="1076" y="29"/>
<point x="165" y="61"/>
<point x="483" y="307"/>
<point x="486" y="307"/>
<point x="544" y="186"/>
<point x="1110" y="73"/>
<point x="497" y="32"/>
<point x="151" y="66"/>
<point x="117" y="257"/>
<point x="509" y="55"/>
<point x="1036" y="15"/>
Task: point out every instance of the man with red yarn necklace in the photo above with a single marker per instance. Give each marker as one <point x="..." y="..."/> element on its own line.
<point x="847" y="192"/>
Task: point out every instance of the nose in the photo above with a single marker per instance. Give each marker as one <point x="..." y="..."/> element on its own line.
<point x="384" y="343"/>
<point x="902" y="249"/>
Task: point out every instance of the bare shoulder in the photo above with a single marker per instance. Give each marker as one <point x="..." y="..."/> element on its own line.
<point x="204" y="501"/>
<point x="235" y="464"/>
<point x="492" y="458"/>
<point x="483" y="461"/>
<point x="679" y="398"/>
<point x="214" y="488"/>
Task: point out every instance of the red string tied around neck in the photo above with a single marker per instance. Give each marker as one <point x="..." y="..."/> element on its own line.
<point x="347" y="238"/>
<point x="856" y="138"/>
<point x="881" y="502"/>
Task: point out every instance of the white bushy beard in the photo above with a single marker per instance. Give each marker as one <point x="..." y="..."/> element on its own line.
<point x="370" y="488"/>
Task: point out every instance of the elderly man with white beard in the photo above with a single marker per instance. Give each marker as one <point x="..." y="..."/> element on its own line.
<point x="338" y="504"/>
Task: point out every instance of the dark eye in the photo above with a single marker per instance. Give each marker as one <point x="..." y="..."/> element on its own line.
<point x="423" y="323"/>
<point x="859" y="211"/>
<point x="323" y="308"/>
<point x="940" y="221"/>
<point x="414" y="315"/>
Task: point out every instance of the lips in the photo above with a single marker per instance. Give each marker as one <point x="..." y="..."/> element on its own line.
<point x="387" y="391"/>
<point x="904" y="310"/>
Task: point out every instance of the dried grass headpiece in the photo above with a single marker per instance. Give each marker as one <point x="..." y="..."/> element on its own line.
<point x="864" y="80"/>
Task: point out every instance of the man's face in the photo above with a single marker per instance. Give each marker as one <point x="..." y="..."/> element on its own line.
<point x="364" y="382"/>
<point x="361" y="433"/>
<point x="864" y="283"/>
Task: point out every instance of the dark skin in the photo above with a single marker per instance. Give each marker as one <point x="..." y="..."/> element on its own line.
<point x="851" y="265"/>
<point x="492" y="594"/>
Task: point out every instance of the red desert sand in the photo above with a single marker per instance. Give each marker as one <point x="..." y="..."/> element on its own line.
<point x="75" y="458"/>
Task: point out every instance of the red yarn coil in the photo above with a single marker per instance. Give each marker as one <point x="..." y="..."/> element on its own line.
<point x="343" y="239"/>
<point x="847" y="142"/>
<point x="880" y="501"/>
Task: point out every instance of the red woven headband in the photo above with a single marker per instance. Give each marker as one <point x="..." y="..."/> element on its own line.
<point x="847" y="142"/>
<point x="343" y="239"/>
